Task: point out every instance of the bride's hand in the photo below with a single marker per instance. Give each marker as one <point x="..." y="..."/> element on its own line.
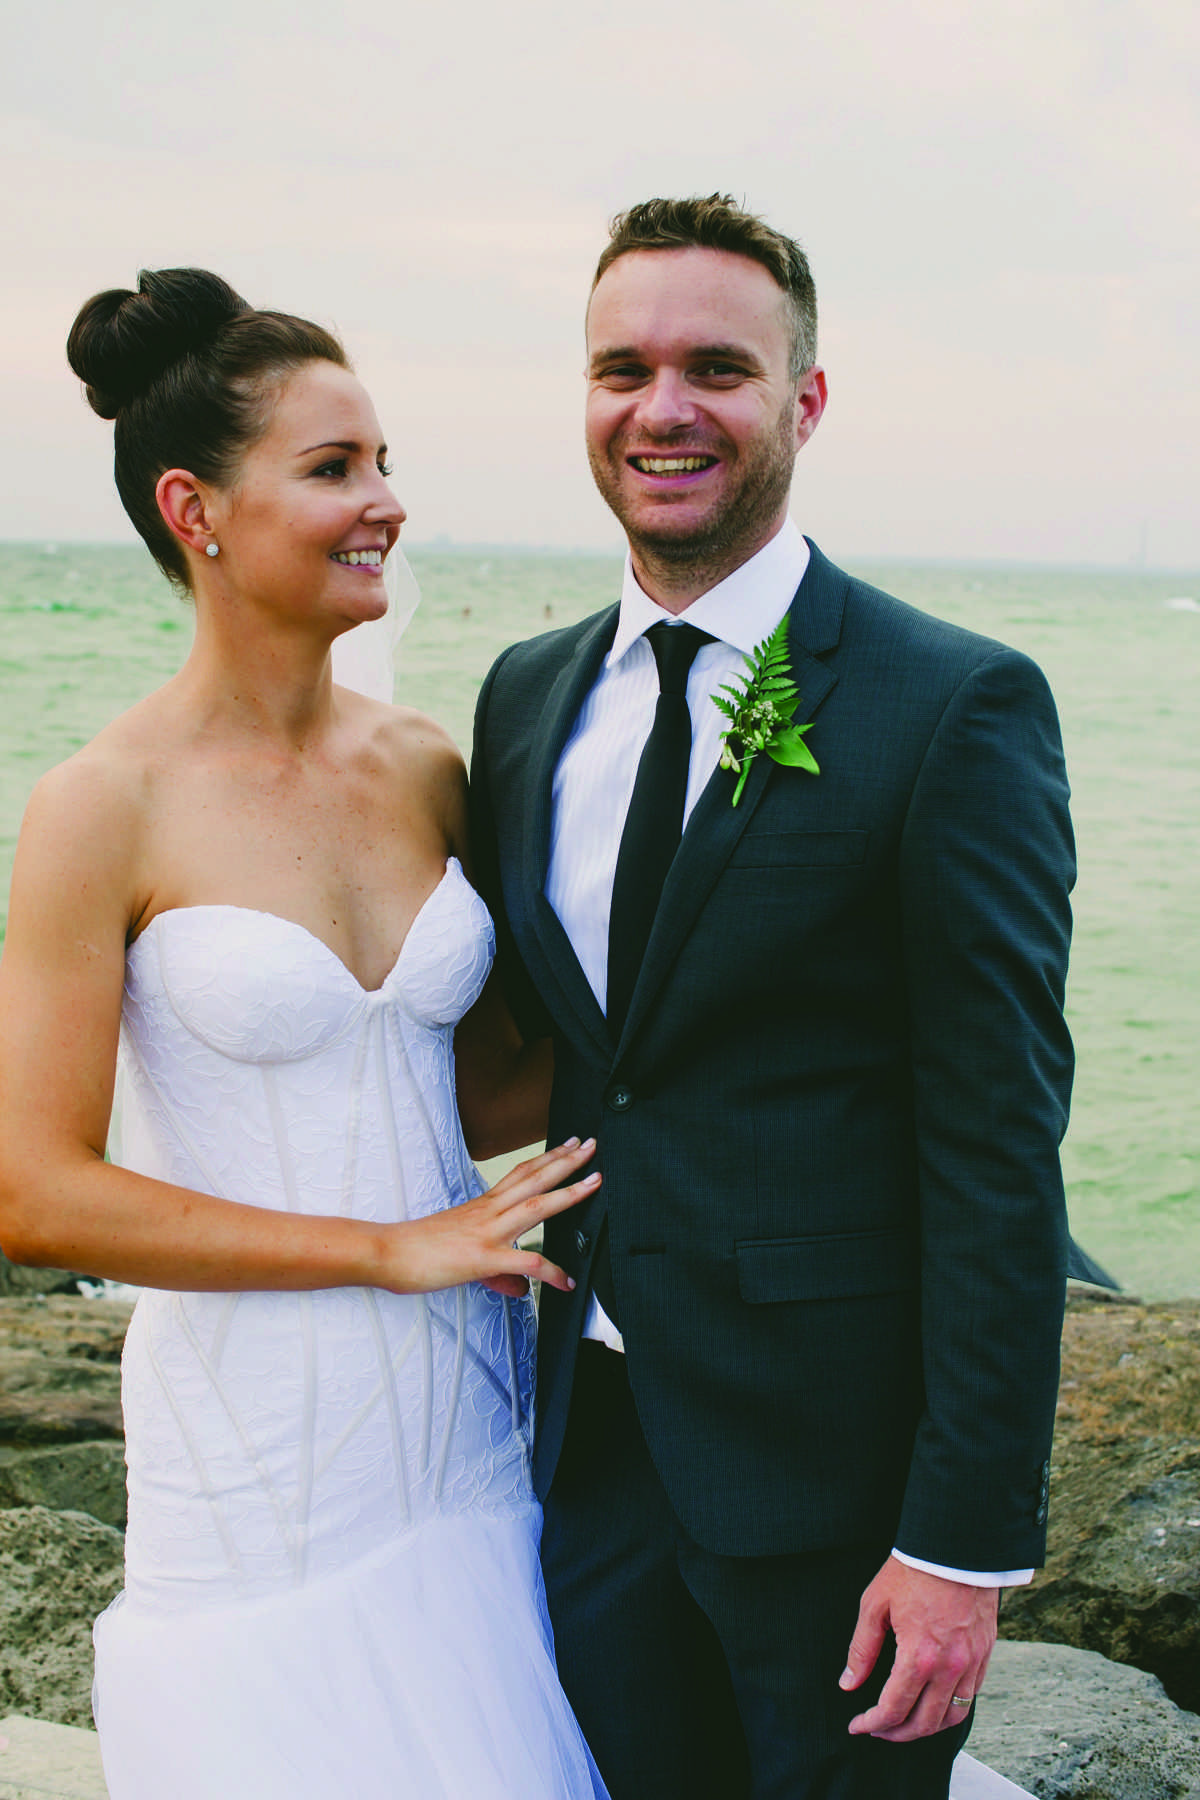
<point x="477" y="1241"/>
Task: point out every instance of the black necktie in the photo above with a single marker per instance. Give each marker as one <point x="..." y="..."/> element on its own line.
<point x="654" y="822"/>
<point x="653" y="828"/>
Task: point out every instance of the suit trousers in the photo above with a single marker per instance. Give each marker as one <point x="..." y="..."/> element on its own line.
<point x="704" y="1677"/>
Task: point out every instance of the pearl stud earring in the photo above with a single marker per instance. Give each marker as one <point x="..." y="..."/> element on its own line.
<point x="212" y="549"/>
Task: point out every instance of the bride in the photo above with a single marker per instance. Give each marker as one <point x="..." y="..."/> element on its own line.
<point x="254" y="881"/>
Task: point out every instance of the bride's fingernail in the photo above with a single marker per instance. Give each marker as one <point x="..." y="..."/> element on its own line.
<point x="571" y="1144"/>
<point x="570" y="1281"/>
<point x="590" y="1144"/>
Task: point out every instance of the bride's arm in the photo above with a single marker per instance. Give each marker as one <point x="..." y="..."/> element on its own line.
<point x="61" y="1204"/>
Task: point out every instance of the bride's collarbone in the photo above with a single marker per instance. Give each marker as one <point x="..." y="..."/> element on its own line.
<point x="350" y="861"/>
<point x="334" y="819"/>
<point x="345" y="837"/>
<point x="361" y="901"/>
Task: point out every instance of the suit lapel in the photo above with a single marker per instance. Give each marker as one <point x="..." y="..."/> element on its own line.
<point x="561" y="708"/>
<point x="716" y="825"/>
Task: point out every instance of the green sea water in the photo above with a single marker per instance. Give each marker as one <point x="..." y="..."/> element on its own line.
<point x="84" y="631"/>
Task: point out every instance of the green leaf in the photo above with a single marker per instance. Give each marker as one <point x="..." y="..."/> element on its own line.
<point x="790" y="749"/>
<point x="760" y="710"/>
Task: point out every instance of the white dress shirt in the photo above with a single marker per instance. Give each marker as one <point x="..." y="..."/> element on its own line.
<point x="593" y="783"/>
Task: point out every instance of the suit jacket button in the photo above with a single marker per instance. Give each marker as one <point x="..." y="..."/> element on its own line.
<point x="619" y="1099"/>
<point x="583" y="1242"/>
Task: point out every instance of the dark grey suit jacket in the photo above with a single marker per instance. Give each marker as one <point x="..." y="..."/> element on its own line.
<point x="829" y="1131"/>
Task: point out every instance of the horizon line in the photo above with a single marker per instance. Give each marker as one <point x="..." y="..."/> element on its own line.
<point x="441" y="544"/>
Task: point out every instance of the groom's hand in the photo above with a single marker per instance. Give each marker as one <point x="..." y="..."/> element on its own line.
<point x="944" y="1632"/>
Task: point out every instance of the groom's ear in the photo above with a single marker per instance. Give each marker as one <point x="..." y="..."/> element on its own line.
<point x="184" y="507"/>
<point x="811" y="395"/>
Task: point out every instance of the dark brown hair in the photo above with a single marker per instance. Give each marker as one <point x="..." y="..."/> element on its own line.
<point x="717" y="222"/>
<point x="189" y="371"/>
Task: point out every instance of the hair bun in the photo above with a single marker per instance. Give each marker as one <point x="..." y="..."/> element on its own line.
<point x="122" y="341"/>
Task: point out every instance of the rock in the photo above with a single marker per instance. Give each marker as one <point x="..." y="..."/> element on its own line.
<point x="17" y="1278"/>
<point x="61" y="1442"/>
<point x="87" y="1477"/>
<point x="1132" y="1587"/>
<point x="1122" y="1572"/>
<point x="1068" y="1724"/>
<point x="57" y="1571"/>
<point x="60" y="1378"/>
<point x="49" y="1762"/>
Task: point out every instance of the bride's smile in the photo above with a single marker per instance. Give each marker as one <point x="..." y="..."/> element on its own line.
<point x="250" y="889"/>
<point x="309" y="518"/>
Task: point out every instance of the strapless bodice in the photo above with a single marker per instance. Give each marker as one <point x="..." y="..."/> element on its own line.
<point x="259" y="988"/>
<point x="305" y="1425"/>
<point x="247" y="1017"/>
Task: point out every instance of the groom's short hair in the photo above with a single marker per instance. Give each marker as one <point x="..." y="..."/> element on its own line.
<point x="717" y="222"/>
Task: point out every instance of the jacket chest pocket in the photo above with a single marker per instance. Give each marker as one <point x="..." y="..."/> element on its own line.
<point x="800" y="850"/>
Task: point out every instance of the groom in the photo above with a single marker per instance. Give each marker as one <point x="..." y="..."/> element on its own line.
<point x="795" y="1420"/>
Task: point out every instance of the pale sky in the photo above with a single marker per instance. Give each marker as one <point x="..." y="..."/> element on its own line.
<point x="1000" y="201"/>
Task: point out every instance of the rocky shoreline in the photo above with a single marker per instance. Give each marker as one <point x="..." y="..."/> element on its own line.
<point x="1074" y="1708"/>
<point x="1122" y="1573"/>
<point x="62" y="1495"/>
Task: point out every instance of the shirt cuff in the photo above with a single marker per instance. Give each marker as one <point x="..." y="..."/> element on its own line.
<point x="969" y="1577"/>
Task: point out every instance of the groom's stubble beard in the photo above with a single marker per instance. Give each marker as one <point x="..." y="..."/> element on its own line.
<point x="738" y="522"/>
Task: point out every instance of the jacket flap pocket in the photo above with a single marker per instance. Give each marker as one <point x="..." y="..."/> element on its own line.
<point x="840" y="1266"/>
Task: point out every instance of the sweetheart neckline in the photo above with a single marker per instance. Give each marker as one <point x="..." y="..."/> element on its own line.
<point x="452" y="865"/>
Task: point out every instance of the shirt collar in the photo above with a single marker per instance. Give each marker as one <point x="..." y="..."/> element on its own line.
<point x="741" y="611"/>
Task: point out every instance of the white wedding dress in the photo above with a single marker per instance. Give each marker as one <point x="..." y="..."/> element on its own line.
<point x="332" y="1585"/>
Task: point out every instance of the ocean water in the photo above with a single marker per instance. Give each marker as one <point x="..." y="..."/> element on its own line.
<point x="84" y="631"/>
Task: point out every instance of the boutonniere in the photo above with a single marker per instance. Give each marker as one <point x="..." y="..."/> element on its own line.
<point x="760" y="713"/>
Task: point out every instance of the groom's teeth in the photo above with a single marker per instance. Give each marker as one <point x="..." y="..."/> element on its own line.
<point x="372" y="558"/>
<point x="670" y="465"/>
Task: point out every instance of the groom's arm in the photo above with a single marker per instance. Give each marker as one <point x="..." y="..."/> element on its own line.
<point x="986" y="868"/>
<point x="502" y="1081"/>
<point x="986" y="865"/>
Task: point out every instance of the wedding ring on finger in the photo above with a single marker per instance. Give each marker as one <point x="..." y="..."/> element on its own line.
<point x="962" y="1699"/>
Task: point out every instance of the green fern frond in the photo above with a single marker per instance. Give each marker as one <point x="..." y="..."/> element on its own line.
<point x="760" y="709"/>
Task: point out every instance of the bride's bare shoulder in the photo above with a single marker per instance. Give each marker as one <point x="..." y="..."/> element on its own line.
<point x="83" y="841"/>
<point x="109" y="774"/>
<point x="413" y="761"/>
<point x="401" y="734"/>
<point x="101" y="797"/>
<point x="420" y="735"/>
